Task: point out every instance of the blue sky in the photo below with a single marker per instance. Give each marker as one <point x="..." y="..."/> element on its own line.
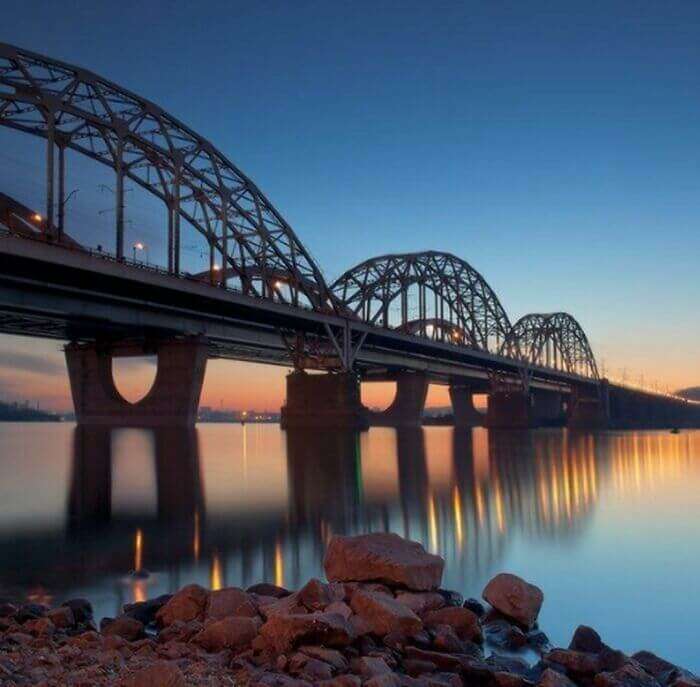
<point x="552" y="145"/>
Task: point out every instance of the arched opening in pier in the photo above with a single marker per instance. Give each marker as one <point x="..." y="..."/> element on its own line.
<point x="377" y="395"/>
<point x="437" y="401"/>
<point x="133" y="377"/>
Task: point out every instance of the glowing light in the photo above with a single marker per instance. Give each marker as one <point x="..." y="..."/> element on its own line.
<point x="457" y="502"/>
<point x="279" y="284"/>
<point x="216" y="576"/>
<point x="279" y="565"/>
<point x="196" y="540"/>
<point x="432" y="524"/>
<point x="36" y="217"/>
<point x="138" y="550"/>
<point x="216" y="268"/>
<point x="139" y="246"/>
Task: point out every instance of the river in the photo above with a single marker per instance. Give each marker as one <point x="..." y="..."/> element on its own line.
<point x="607" y="524"/>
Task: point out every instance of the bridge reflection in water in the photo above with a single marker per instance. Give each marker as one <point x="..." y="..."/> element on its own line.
<point x="230" y="505"/>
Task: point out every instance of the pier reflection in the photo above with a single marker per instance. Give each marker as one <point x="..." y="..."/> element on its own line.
<point x="225" y="504"/>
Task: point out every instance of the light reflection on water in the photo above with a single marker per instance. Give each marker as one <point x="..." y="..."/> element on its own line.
<point x="607" y="524"/>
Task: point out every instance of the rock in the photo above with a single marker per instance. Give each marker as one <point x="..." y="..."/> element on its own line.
<point x="386" y="680"/>
<point x="179" y="631"/>
<point x="159" y="674"/>
<point x="451" y="598"/>
<point x="145" y="611"/>
<point x="234" y="632"/>
<point x="339" y="607"/>
<point x="342" y="681"/>
<point x="504" y="678"/>
<point x="30" y="612"/>
<point x="421" y="602"/>
<point x="267" y="589"/>
<point x="315" y="595"/>
<point x="382" y="557"/>
<point x="126" y="627"/>
<point x="7" y="609"/>
<point x="288" y="605"/>
<point x="62" y="617"/>
<point x="284" y="632"/>
<point x="539" y="641"/>
<point x="187" y="604"/>
<point x="230" y="601"/>
<point x="578" y="662"/>
<point x="309" y="668"/>
<point x="514" y="598"/>
<point x="461" y="620"/>
<point x="415" y="668"/>
<point x="502" y="634"/>
<point x="552" y="678"/>
<point x="586" y="639"/>
<point x="330" y="656"/>
<point x="476" y="607"/>
<point x="664" y="671"/>
<point x="82" y="609"/>
<point x="630" y="675"/>
<point x="384" y="614"/>
<point x="370" y="666"/>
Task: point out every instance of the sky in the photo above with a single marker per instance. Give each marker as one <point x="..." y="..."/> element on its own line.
<point x="551" y="145"/>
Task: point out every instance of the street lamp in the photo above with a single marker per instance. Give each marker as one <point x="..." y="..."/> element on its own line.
<point x="139" y="246"/>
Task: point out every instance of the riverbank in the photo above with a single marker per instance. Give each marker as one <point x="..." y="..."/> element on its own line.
<point x="381" y="620"/>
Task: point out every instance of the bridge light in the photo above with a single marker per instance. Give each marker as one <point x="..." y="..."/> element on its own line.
<point x="279" y="284"/>
<point x="36" y="217"/>
<point x="216" y="268"/>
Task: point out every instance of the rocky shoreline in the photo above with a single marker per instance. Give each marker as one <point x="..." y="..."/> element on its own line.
<point x="381" y="620"/>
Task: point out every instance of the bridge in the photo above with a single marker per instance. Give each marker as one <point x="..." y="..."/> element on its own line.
<point x="415" y="319"/>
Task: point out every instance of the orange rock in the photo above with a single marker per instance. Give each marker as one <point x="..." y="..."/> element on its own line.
<point x="315" y="595"/>
<point x="382" y="557"/>
<point x="229" y="602"/>
<point x="159" y="674"/>
<point x="421" y="602"/>
<point x="234" y="632"/>
<point x="187" y="604"/>
<point x="384" y="614"/>
<point x="125" y="627"/>
<point x="463" y="621"/>
<point x="514" y="598"/>
<point x="283" y="632"/>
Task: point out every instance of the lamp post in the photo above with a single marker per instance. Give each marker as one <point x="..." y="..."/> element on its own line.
<point x="139" y="246"/>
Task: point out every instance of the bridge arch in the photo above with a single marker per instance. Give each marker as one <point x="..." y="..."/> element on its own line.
<point x="249" y="242"/>
<point x="432" y="294"/>
<point x="554" y="340"/>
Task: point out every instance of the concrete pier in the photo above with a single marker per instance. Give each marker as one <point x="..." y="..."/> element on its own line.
<point x="407" y="407"/>
<point x="327" y="400"/>
<point x="463" y="411"/>
<point x="509" y="409"/>
<point x="172" y="401"/>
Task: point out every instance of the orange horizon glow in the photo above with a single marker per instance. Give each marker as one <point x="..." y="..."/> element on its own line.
<point x="232" y="385"/>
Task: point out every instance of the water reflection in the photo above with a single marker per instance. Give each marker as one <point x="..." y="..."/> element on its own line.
<point x="225" y="505"/>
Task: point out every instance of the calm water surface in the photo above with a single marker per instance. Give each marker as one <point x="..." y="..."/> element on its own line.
<point x="607" y="524"/>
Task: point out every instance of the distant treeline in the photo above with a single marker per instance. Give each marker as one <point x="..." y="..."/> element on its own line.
<point x="692" y="393"/>
<point x="13" y="412"/>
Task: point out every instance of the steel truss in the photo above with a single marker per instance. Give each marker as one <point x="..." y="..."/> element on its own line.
<point x="75" y="109"/>
<point x="554" y="340"/>
<point x="439" y="296"/>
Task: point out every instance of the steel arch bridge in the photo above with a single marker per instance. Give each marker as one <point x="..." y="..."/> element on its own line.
<point x="433" y="296"/>
<point x="439" y="296"/>
<point x="72" y="108"/>
<point x="554" y="340"/>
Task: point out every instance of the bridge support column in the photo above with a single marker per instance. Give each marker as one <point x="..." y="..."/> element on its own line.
<point x="463" y="410"/>
<point x="407" y="408"/>
<point x="323" y="400"/>
<point x="588" y="410"/>
<point x="172" y="401"/>
<point x="508" y="409"/>
<point x="547" y="409"/>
